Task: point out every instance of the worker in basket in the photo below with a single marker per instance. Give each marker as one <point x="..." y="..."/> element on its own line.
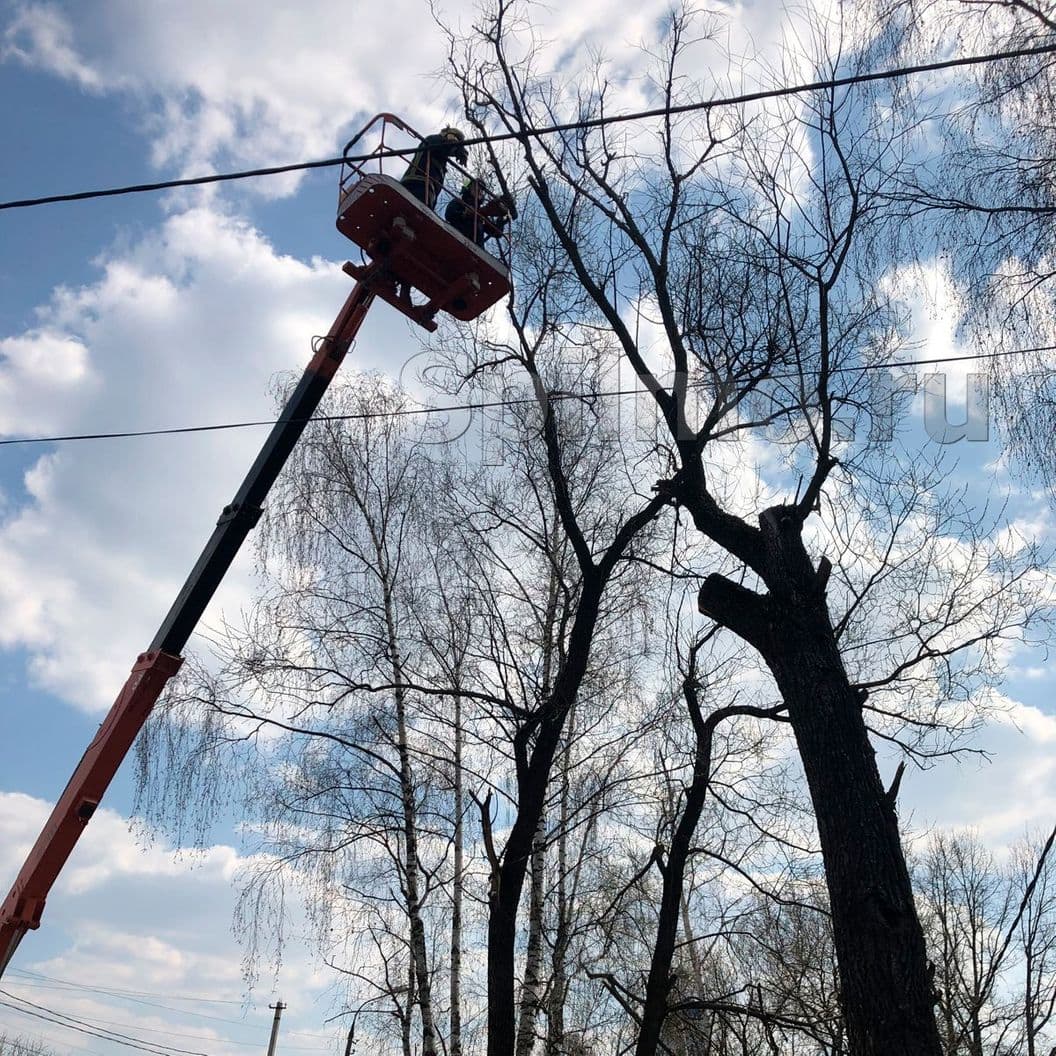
<point x="477" y="214"/>
<point x="424" y="177"/>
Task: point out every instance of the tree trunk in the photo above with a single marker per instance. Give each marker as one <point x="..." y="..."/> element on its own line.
<point x="532" y="990"/>
<point x="456" y="893"/>
<point x="533" y="771"/>
<point x="886" y="993"/>
<point x="885" y="988"/>
<point x="555" y="1005"/>
<point x="419" y="952"/>
<point x="673" y="871"/>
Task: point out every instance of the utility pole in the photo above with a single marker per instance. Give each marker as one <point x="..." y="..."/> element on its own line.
<point x="278" y="1006"/>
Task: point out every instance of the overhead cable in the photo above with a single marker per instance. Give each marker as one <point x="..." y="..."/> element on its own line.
<point x="546" y="130"/>
<point x="118" y="992"/>
<point x="483" y="405"/>
<point x="104" y="1036"/>
<point x="107" y="1024"/>
<point x="97" y="1026"/>
<point x="140" y="997"/>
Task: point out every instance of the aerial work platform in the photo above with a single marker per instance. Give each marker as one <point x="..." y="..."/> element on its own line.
<point x="411" y="250"/>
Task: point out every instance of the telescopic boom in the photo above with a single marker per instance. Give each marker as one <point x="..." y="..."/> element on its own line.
<point x="24" y="904"/>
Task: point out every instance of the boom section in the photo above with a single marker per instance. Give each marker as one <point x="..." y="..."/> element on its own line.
<point x="21" y="910"/>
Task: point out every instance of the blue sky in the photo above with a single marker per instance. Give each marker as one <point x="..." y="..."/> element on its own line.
<point x="142" y="311"/>
<point x="179" y="309"/>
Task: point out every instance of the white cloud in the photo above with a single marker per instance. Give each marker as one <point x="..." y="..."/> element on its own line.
<point x="42" y="38"/>
<point x="188" y="328"/>
<point x="40" y="372"/>
<point x="999" y="796"/>
<point x="253" y="84"/>
<point x="140" y="920"/>
<point x="243" y="81"/>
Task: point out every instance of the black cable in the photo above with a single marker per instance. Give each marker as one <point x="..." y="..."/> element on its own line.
<point x="45" y="1043"/>
<point x="97" y="1026"/>
<point x="546" y="130"/>
<point x="107" y="1036"/>
<point x="108" y="1024"/>
<point x="30" y="979"/>
<point x="484" y="405"/>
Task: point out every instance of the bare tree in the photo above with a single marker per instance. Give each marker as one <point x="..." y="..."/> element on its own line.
<point x="756" y="259"/>
<point x="968" y="909"/>
<point x="474" y="726"/>
<point x="990" y="935"/>
<point x="12" y="1045"/>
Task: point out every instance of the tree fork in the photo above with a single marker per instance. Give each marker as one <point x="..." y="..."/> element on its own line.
<point x="885" y="987"/>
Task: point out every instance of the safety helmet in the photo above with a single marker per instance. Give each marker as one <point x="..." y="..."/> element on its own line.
<point x="458" y="136"/>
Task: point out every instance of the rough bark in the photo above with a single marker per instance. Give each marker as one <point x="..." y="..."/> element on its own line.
<point x="885" y="987"/>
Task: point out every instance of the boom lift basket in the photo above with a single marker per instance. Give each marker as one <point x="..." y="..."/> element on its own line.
<point x="409" y="246"/>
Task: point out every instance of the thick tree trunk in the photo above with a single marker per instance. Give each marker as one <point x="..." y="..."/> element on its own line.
<point x="885" y="988"/>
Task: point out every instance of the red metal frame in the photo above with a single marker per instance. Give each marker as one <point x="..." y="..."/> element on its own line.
<point x="411" y="248"/>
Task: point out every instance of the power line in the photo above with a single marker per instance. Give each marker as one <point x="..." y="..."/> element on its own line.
<point x="546" y="130"/>
<point x="97" y="1026"/>
<point x="67" y="986"/>
<point x="165" y="1008"/>
<point x="46" y="1041"/>
<point x="103" y="1035"/>
<point x="107" y="1023"/>
<point x="117" y="991"/>
<point x="481" y="405"/>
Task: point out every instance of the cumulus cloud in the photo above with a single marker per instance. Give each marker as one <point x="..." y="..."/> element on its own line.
<point x="230" y="84"/>
<point x="41" y="37"/>
<point x="156" y="927"/>
<point x="219" y="81"/>
<point x="189" y="326"/>
<point x="1007" y="788"/>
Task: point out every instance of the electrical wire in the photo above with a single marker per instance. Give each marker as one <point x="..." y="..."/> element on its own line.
<point x="102" y="1035"/>
<point x="46" y="1042"/>
<point x="67" y="987"/>
<point x="99" y="1026"/>
<point x="478" y="406"/>
<point x="546" y="130"/>
<point x="119" y="992"/>
<point x="165" y="1008"/>
<point x="168" y="1032"/>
